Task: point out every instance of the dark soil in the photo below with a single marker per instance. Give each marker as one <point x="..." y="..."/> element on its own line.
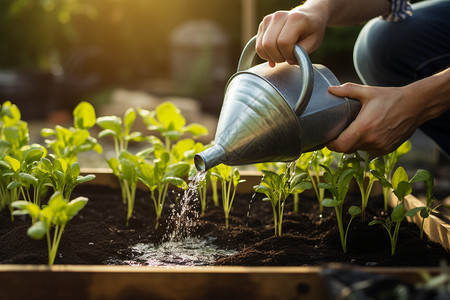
<point x="98" y="234"/>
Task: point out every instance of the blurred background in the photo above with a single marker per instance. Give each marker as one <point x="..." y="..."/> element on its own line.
<point x="118" y="54"/>
<point x="54" y="53"/>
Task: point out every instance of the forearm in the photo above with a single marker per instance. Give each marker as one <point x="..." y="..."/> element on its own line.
<point x="348" y="12"/>
<point x="431" y="96"/>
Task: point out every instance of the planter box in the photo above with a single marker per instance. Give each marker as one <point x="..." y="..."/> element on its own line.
<point x="214" y="282"/>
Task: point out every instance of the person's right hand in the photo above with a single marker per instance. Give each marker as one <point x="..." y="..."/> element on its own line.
<point x="279" y="32"/>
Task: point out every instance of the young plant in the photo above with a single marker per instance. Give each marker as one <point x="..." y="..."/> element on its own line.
<point x="60" y="176"/>
<point x="277" y="187"/>
<point x="316" y="160"/>
<point x="54" y="216"/>
<point x="338" y="182"/>
<point x="362" y="167"/>
<point x="425" y="212"/>
<point x="229" y="178"/>
<point x="69" y="142"/>
<point x="125" y="168"/>
<point x="120" y="130"/>
<point x="386" y="169"/>
<point x="401" y="187"/>
<point x="169" y="121"/>
<point x="158" y="176"/>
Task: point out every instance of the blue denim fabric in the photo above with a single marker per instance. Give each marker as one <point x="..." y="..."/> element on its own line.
<point x="398" y="53"/>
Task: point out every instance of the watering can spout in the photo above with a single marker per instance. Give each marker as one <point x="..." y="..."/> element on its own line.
<point x="209" y="158"/>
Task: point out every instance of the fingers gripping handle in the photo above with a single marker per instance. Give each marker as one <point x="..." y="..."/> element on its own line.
<point x="248" y="59"/>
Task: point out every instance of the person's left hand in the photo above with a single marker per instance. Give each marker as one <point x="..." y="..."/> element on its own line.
<point x="388" y="117"/>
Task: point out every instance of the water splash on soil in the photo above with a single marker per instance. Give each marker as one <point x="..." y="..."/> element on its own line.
<point x="188" y="252"/>
<point x="178" y="248"/>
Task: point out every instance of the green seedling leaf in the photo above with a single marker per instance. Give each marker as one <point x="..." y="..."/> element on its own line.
<point x="403" y="189"/>
<point x="330" y="202"/>
<point x="398" y="213"/>
<point x="354" y="210"/>
<point x="399" y="176"/>
<point x="14" y="185"/>
<point x="76" y="205"/>
<point x="84" y="116"/>
<point x="414" y="211"/>
<point x="13" y="163"/>
<point x="37" y="231"/>
<point x="112" y="125"/>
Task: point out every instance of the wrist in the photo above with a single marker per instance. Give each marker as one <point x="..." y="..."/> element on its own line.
<point x="431" y="95"/>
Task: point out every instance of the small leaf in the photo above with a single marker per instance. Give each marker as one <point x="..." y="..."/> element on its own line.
<point x="37" y="231"/>
<point x="330" y="202"/>
<point x="84" y="115"/>
<point x="354" y="210"/>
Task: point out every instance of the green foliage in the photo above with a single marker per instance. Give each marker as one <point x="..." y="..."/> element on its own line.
<point x="338" y="182"/>
<point x="401" y="186"/>
<point x="120" y="130"/>
<point x="277" y="187"/>
<point x="388" y="163"/>
<point x="125" y="168"/>
<point x="55" y="215"/>
<point x="312" y="163"/>
<point x="69" y="142"/>
<point x="169" y="121"/>
<point x="229" y="178"/>
<point x="158" y="176"/>
<point x="362" y="167"/>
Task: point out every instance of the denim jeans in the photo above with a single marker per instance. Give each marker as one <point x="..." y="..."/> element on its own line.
<point x="398" y="53"/>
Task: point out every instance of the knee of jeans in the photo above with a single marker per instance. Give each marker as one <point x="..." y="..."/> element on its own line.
<point x="369" y="56"/>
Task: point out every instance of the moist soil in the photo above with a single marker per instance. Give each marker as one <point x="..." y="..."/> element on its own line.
<point x="98" y="235"/>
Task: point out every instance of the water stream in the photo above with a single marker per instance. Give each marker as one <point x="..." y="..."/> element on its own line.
<point x="178" y="247"/>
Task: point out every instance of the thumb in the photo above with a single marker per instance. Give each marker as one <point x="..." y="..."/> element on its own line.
<point x="351" y="90"/>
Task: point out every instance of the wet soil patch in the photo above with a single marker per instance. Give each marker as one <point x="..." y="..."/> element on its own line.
<point x="98" y="234"/>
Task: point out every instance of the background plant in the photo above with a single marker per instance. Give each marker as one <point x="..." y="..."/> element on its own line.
<point x="69" y="142"/>
<point x="277" y="188"/>
<point x="51" y="220"/>
<point x="168" y="120"/>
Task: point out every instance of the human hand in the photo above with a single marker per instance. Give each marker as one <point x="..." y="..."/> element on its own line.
<point x="388" y="117"/>
<point x="279" y="32"/>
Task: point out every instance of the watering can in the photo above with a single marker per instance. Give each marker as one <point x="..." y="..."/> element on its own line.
<point x="275" y="114"/>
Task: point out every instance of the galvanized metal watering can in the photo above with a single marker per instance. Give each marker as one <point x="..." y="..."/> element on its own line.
<point x="276" y="114"/>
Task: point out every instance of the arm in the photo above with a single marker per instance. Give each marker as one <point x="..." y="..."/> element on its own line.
<point x="390" y="115"/>
<point x="306" y="24"/>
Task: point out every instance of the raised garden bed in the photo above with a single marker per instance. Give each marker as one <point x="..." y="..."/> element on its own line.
<point x="95" y="255"/>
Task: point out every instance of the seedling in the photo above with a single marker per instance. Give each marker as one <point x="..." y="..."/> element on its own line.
<point x="157" y="178"/>
<point x="229" y="178"/>
<point x="317" y="160"/>
<point x="390" y="160"/>
<point x="401" y="187"/>
<point x="125" y="168"/>
<point x="120" y="130"/>
<point x="169" y="121"/>
<point x="69" y="142"/>
<point x="337" y="182"/>
<point x="60" y="176"/>
<point x="277" y="187"/>
<point x="54" y="215"/>
<point x="425" y="212"/>
<point x="361" y="168"/>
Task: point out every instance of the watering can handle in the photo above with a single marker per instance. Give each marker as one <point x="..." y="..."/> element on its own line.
<point x="248" y="59"/>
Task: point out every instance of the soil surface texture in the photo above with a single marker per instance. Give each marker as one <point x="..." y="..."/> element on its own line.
<point x="98" y="235"/>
